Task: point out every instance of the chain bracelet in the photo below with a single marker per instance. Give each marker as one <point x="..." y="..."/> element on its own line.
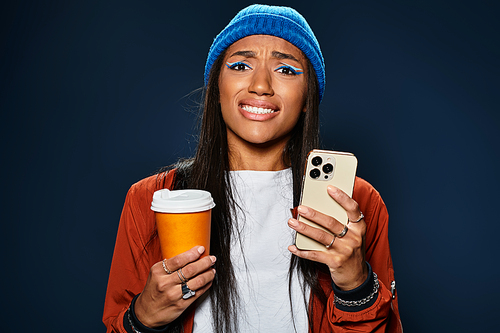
<point x="361" y="301"/>
<point x="130" y="322"/>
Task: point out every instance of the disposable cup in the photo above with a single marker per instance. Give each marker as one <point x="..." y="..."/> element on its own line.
<point x="183" y="219"/>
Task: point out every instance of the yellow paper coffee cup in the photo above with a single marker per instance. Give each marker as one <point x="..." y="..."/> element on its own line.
<point x="183" y="219"/>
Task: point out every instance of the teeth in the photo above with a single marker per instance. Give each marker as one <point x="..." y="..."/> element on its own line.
<point x="253" y="109"/>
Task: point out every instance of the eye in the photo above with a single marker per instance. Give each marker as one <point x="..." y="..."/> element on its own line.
<point x="238" y="66"/>
<point x="289" y="70"/>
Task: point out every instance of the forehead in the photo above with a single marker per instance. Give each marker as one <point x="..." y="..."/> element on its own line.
<point x="262" y="44"/>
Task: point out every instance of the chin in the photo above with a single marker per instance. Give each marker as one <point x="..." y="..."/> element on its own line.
<point x="265" y="143"/>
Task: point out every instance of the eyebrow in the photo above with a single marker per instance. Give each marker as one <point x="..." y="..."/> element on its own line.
<point x="274" y="54"/>
<point x="246" y="54"/>
<point x="280" y="55"/>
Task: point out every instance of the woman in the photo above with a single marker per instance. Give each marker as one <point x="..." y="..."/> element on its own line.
<point x="264" y="80"/>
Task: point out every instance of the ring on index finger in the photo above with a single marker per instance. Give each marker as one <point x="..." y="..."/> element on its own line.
<point x="360" y="218"/>
<point x="165" y="267"/>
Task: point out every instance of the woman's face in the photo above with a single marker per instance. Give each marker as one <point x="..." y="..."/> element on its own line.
<point x="263" y="86"/>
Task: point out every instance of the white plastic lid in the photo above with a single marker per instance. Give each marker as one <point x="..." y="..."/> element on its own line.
<point x="182" y="201"/>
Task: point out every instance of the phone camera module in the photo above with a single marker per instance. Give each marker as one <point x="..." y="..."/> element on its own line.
<point x="327" y="168"/>
<point x="317" y="161"/>
<point x="315" y="173"/>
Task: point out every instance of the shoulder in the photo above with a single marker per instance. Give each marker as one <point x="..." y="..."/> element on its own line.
<point x="152" y="183"/>
<point x="141" y="193"/>
<point x="365" y="192"/>
<point x="369" y="200"/>
<point x="145" y="185"/>
<point x="364" y="188"/>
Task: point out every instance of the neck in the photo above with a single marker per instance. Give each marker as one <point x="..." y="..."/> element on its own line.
<point x="259" y="157"/>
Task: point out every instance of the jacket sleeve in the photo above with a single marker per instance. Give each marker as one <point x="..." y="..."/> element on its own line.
<point x="383" y="314"/>
<point x="134" y="254"/>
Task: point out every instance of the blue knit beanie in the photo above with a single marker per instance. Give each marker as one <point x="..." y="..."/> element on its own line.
<point x="283" y="22"/>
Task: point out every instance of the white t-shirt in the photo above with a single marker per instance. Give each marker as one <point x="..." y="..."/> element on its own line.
<point x="262" y="259"/>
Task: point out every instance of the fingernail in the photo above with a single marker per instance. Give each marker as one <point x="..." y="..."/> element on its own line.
<point x="201" y="249"/>
<point x="213" y="270"/>
<point x="213" y="258"/>
<point x="302" y="209"/>
<point x="292" y="222"/>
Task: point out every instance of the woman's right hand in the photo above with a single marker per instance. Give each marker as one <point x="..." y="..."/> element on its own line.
<point x="161" y="301"/>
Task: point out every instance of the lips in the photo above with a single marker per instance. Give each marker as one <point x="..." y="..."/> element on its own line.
<point x="255" y="106"/>
<point x="256" y="110"/>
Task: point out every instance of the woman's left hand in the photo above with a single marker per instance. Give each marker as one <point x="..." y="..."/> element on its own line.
<point x="346" y="256"/>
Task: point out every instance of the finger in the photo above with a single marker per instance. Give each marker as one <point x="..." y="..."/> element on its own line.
<point x="327" y="222"/>
<point x="317" y="234"/>
<point x="200" y="281"/>
<point x="199" y="293"/>
<point x="349" y="204"/>
<point x="317" y="256"/>
<point x="185" y="258"/>
<point x="195" y="268"/>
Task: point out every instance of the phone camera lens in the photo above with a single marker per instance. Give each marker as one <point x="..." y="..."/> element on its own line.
<point x="327" y="168"/>
<point x="317" y="161"/>
<point x="315" y="173"/>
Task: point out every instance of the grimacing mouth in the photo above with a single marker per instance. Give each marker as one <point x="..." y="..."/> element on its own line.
<point x="257" y="110"/>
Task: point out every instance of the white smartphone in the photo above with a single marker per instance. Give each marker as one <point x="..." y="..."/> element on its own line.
<point x="323" y="168"/>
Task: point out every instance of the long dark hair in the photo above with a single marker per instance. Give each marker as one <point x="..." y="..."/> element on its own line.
<point x="208" y="170"/>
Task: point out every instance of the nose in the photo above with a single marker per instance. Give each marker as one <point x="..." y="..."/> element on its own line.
<point x="262" y="82"/>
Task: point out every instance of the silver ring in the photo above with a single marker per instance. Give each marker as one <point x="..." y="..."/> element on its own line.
<point x="331" y="243"/>
<point x="360" y="218"/>
<point x="186" y="292"/>
<point x="344" y="231"/>
<point x="165" y="267"/>
<point x="181" y="276"/>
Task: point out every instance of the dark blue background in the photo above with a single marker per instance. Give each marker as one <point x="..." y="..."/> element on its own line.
<point x="94" y="95"/>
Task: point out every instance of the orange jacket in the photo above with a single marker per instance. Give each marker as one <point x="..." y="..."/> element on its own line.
<point x="132" y="261"/>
